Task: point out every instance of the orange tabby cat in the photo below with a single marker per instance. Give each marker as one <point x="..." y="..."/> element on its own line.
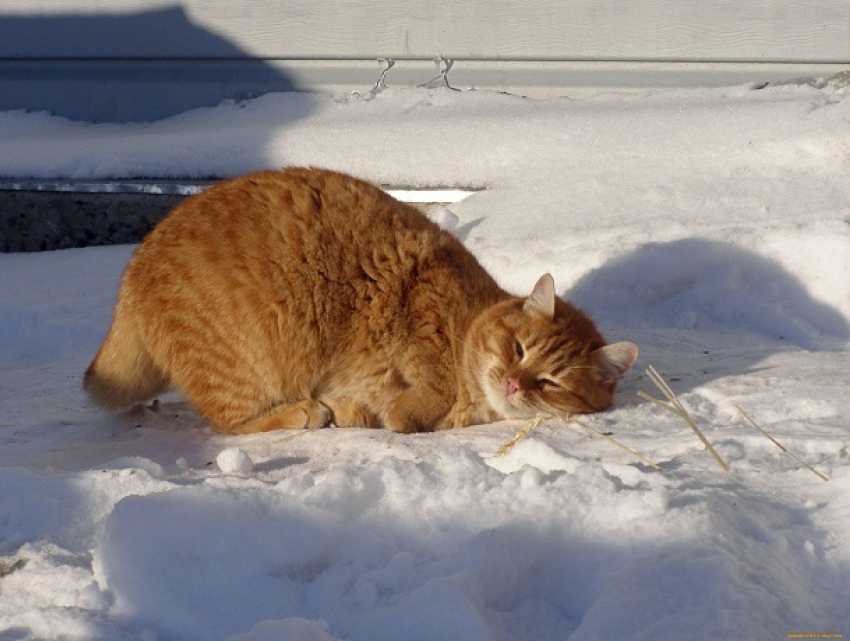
<point x="304" y="297"/>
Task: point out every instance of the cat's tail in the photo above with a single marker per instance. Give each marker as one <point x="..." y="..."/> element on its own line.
<point x="123" y="372"/>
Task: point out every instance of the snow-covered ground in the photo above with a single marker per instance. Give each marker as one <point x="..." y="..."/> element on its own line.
<point x="710" y="226"/>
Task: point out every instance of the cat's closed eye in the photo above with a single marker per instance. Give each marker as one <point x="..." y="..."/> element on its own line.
<point x="547" y="383"/>
<point x="518" y="350"/>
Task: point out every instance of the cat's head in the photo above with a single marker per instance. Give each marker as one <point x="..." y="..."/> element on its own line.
<point x="541" y="355"/>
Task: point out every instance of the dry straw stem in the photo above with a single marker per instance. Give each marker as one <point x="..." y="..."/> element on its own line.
<point x="676" y="408"/>
<point x="572" y="419"/>
<point x="289" y="437"/>
<point x="523" y="432"/>
<point x="778" y="444"/>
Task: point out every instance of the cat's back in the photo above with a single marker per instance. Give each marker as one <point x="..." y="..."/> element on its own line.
<point x="294" y="207"/>
<point x="297" y="219"/>
<point x="328" y="243"/>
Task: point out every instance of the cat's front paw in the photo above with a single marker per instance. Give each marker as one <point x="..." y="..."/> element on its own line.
<point x="416" y="410"/>
<point x="316" y="414"/>
<point x="396" y="422"/>
<point x="308" y="414"/>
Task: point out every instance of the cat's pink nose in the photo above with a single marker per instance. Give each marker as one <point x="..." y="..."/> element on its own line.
<point x="513" y="385"/>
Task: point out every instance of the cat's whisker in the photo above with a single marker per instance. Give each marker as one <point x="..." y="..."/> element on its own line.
<point x="464" y="345"/>
<point x="573" y="368"/>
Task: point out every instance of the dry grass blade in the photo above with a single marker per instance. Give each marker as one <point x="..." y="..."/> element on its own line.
<point x="778" y="444"/>
<point x="521" y="434"/>
<point x="661" y="404"/>
<point x="662" y="385"/>
<point x="676" y="408"/>
<point x="7" y="567"/>
<point x="587" y="428"/>
<point x="289" y="437"/>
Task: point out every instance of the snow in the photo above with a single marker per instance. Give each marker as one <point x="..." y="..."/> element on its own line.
<point x="234" y="460"/>
<point x="710" y="226"/>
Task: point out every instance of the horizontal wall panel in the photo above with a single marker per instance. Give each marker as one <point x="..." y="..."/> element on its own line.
<point x="137" y="60"/>
<point x="794" y="31"/>
<point x="125" y="91"/>
<point x="132" y="91"/>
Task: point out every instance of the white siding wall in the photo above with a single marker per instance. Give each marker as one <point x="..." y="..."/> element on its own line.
<point x="137" y="59"/>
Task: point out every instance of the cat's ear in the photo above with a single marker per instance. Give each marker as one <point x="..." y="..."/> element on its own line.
<point x="613" y="360"/>
<point x="542" y="299"/>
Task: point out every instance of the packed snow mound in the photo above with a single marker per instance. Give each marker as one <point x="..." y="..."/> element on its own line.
<point x="712" y="227"/>
<point x="234" y="460"/>
<point x="696" y="283"/>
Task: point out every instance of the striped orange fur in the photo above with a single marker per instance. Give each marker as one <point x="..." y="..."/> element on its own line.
<point x="304" y="297"/>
